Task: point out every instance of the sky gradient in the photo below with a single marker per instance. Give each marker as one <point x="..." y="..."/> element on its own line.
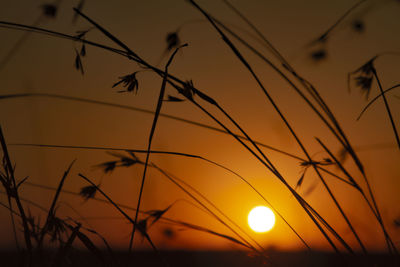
<point x="45" y="64"/>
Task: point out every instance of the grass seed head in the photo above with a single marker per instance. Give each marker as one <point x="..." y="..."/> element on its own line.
<point x="358" y="26"/>
<point x="49" y="10"/>
<point x="173" y="40"/>
<point x="88" y="192"/>
<point x="318" y="55"/>
<point x="130" y="82"/>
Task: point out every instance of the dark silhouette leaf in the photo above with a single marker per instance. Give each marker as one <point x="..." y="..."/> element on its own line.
<point x="157" y="214"/>
<point x="81" y="34"/>
<point x="55" y="227"/>
<point x="83" y="50"/>
<point x="300" y="181"/>
<point x="108" y="166"/>
<point x="125" y="161"/>
<point x="88" y="192"/>
<point x="142" y="227"/>
<point x="53" y="224"/>
<point x="174" y="99"/>
<point x="129" y="82"/>
<point x="363" y="77"/>
<point x="358" y="26"/>
<point x="173" y="40"/>
<point x="319" y="55"/>
<point x="49" y="10"/>
<point x="22" y="181"/>
<point x="364" y="83"/>
<point x="78" y="62"/>
<point x="205" y="97"/>
<point x="188" y="90"/>
<point x="79" y="8"/>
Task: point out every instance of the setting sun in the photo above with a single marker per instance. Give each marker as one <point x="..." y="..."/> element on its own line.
<point x="261" y="219"/>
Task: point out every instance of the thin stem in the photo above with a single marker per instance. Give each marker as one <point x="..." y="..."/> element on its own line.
<point x="376" y="98"/>
<point x="168" y="176"/>
<point x="14" y="189"/>
<point x="51" y="213"/>
<point x="387" y="107"/>
<point x="324" y="36"/>
<point x="153" y="128"/>
<point x="17" y="45"/>
<point x="116" y="206"/>
<point x="103" y="103"/>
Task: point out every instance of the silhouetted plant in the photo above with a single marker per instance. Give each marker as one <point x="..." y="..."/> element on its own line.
<point x="358" y="26"/>
<point x="56" y="228"/>
<point x="173" y="99"/>
<point x="307" y="164"/>
<point x="363" y="77"/>
<point x="130" y="82"/>
<point x="78" y="7"/>
<point x="172" y="40"/>
<point x="49" y="10"/>
<point x="318" y="55"/>
<point x="108" y="166"/>
<point x="88" y="192"/>
<point x="78" y="62"/>
<point x="188" y="90"/>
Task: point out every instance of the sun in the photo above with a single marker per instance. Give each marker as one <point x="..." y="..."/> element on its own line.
<point x="261" y="219"/>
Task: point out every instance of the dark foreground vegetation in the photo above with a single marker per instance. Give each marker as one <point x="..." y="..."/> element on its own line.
<point x="217" y="259"/>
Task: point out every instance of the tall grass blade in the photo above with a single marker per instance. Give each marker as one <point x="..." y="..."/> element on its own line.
<point x="376" y="98"/>
<point x="396" y="134"/>
<point x="153" y="128"/>
<point x="51" y="213"/>
<point x="15" y="195"/>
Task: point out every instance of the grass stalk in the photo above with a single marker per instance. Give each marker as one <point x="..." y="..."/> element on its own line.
<point x="169" y="177"/>
<point x="301" y="201"/>
<point x="118" y="208"/>
<point x="13" y="223"/>
<point x="396" y="134"/>
<point x="322" y="103"/>
<point x="153" y="127"/>
<point x="13" y="189"/>
<point x="247" y="65"/>
<point x="377" y="215"/>
<point x="51" y="213"/>
<point x="376" y="98"/>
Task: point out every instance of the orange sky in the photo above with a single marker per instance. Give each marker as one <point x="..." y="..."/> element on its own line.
<point x="46" y="65"/>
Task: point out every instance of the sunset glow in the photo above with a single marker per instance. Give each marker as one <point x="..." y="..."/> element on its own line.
<point x="199" y="133"/>
<point x="261" y="219"/>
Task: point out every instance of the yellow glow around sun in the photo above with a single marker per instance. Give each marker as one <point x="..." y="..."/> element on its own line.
<point x="261" y="219"/>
